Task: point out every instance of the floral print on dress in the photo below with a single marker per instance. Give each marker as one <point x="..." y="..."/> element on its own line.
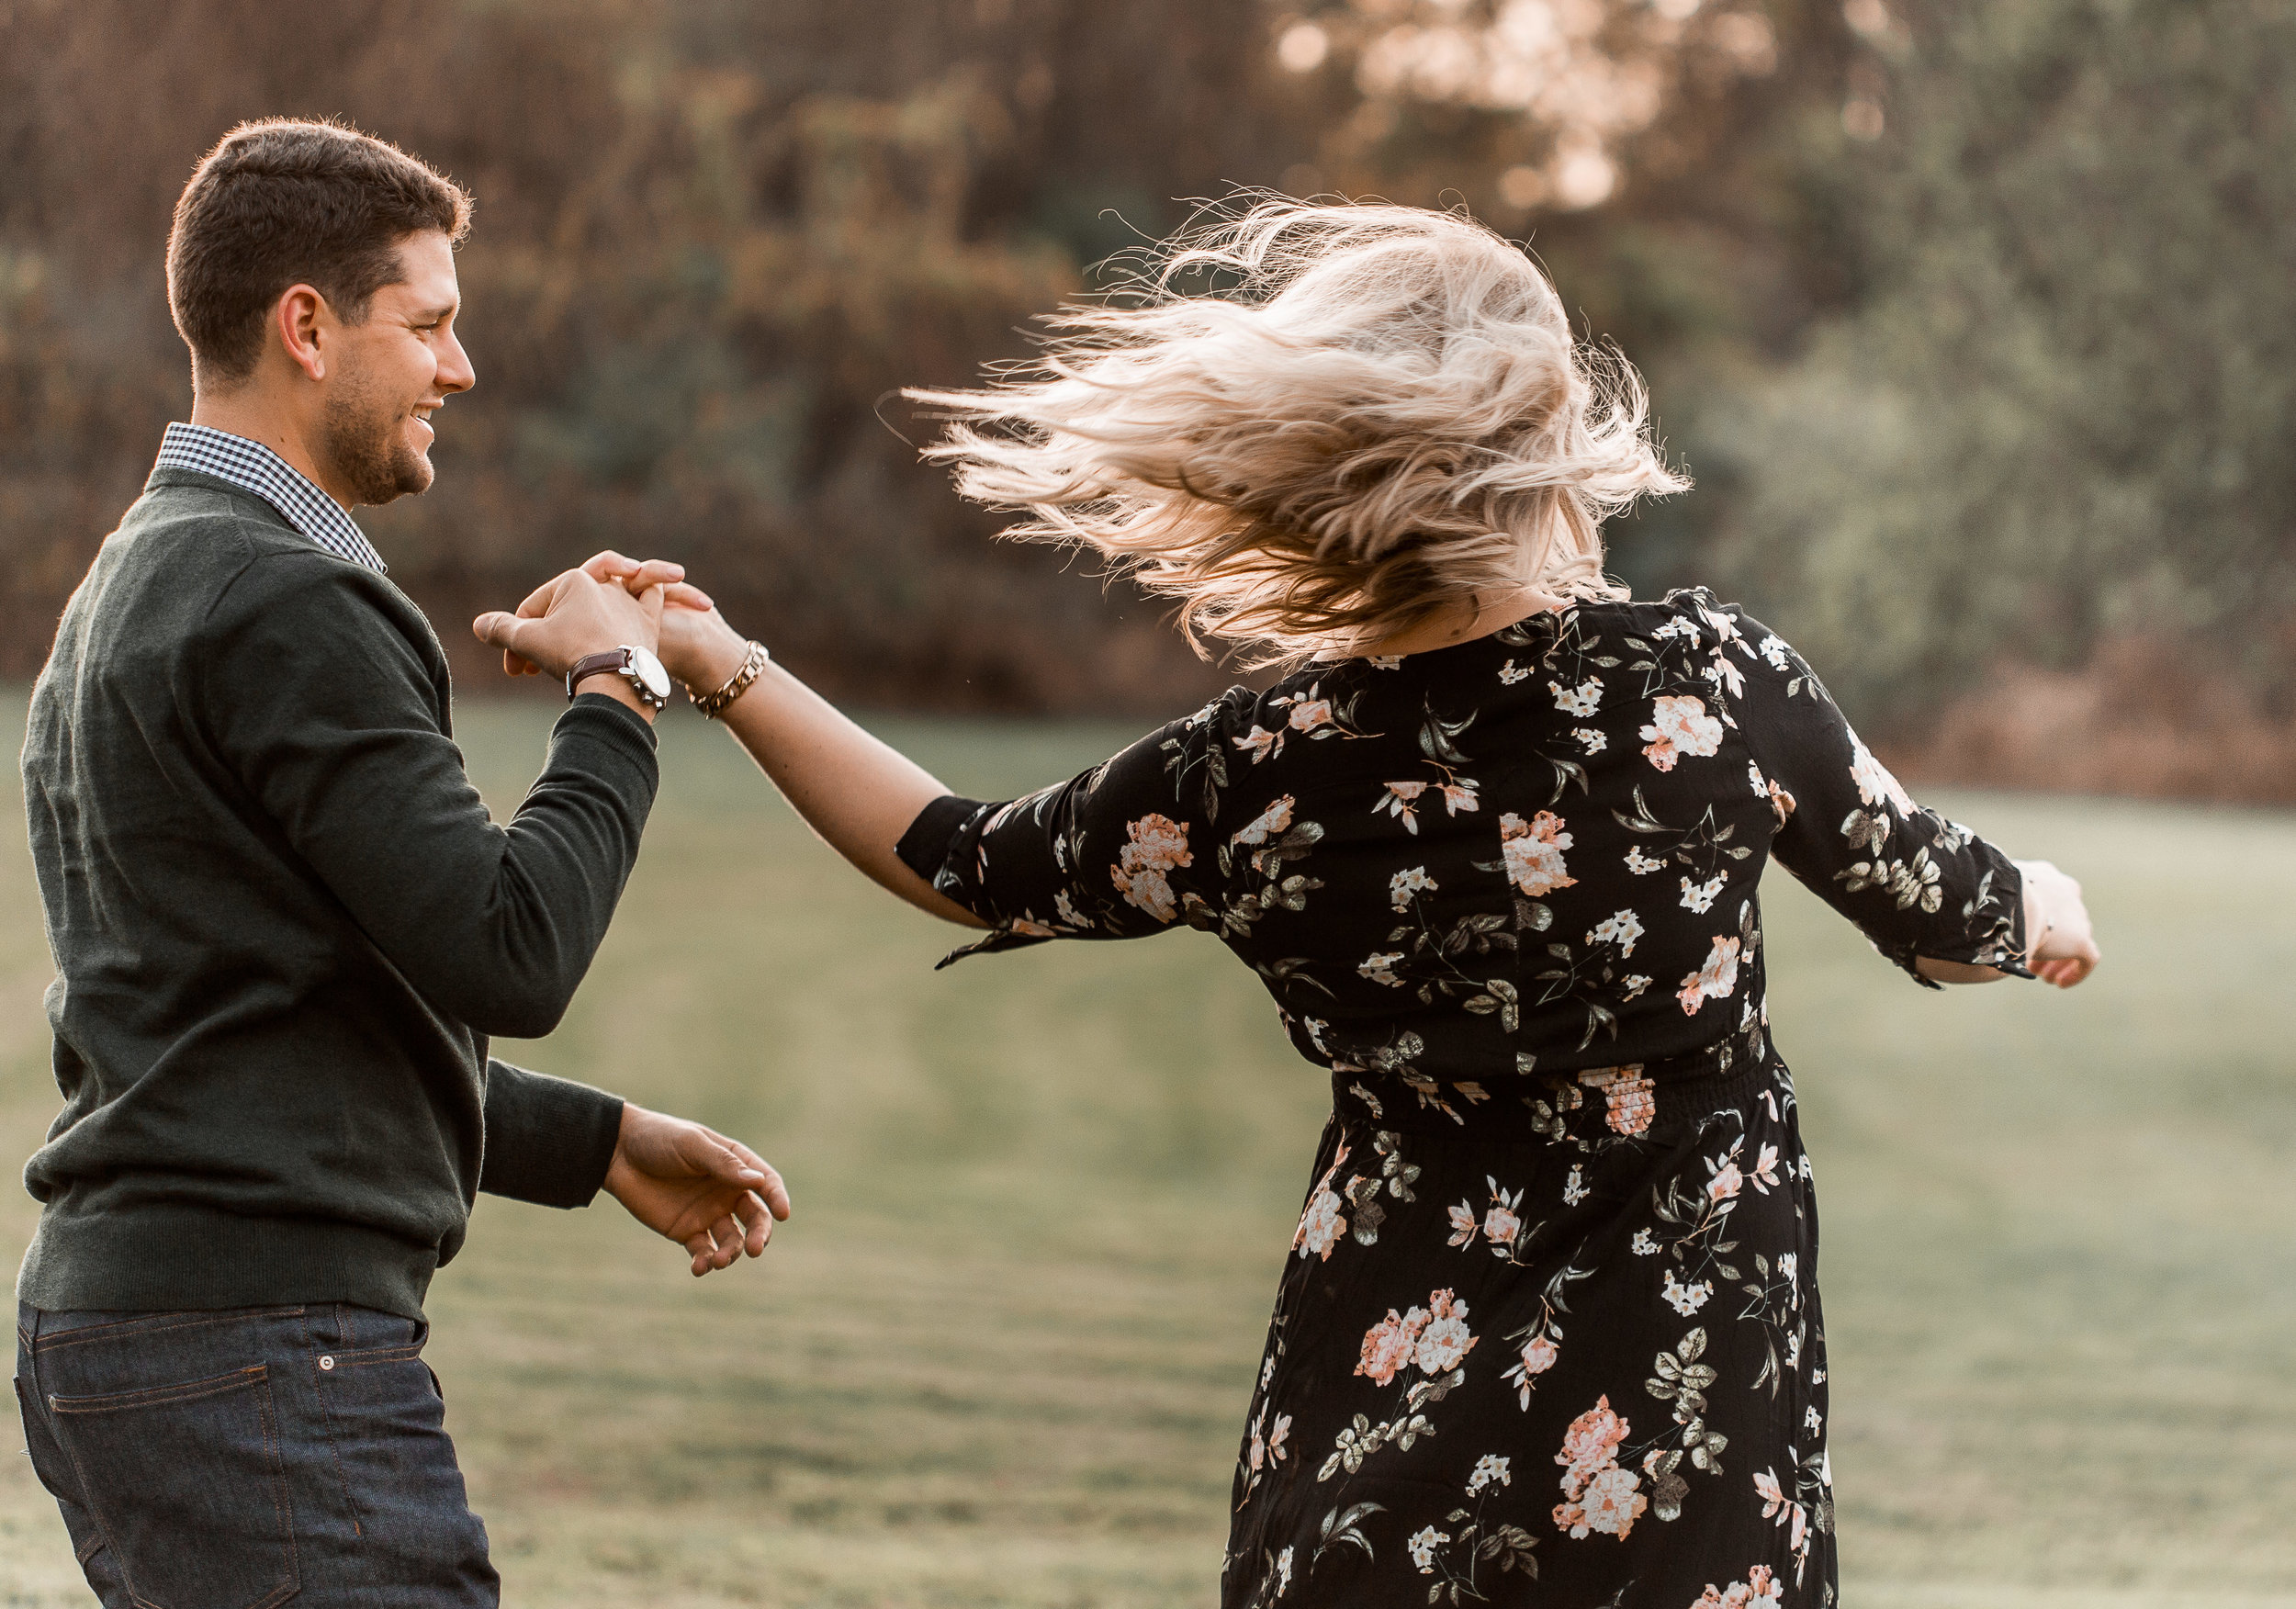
<point x="1401" y="800"/>
<point x="1596" y="1492"/>
<point x="1435" y="1339"/>
<point x="1507" y="893"/>
<point x="1679" y="726"/>
<point x="1533" y="851"/>
<point x="1760" y="1590"/>
<point x="1159" y="846"/>
<point x="1715" y="980"/>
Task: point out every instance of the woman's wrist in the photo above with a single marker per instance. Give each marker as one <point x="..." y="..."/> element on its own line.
<point x="716" y="662"/>
<point x="2040" y="907"/>
<point x="713" y="702"/>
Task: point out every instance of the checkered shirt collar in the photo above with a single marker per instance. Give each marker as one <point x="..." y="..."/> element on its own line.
<point x="253" y="467"/>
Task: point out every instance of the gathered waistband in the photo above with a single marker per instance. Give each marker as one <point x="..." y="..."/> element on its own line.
<point x="1587" y="1102"/>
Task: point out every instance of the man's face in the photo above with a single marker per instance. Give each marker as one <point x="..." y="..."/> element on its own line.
<point x="393" y="370"/>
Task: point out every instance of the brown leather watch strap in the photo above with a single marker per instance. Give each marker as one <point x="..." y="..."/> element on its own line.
<point x="599" y="664"/>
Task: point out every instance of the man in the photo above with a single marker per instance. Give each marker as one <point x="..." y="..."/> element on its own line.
<point x="285" y="927"/>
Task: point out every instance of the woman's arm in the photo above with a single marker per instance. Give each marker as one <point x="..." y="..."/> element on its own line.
<point x="2059" y="947"/>
<point x="1935" y="898"/>
<point x="1123" y="850"/>
<point x="859" y="795"/>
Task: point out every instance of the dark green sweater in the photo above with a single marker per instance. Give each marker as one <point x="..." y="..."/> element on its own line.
<point x="284" y="927"/>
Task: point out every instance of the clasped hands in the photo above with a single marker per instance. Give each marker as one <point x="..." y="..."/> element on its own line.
<point x="688" y="1183"/>
<point x="612" y="602"/>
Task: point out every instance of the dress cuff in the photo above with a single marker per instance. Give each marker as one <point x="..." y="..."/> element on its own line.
<point x="2002" y="950"/>
<point x="924" y="849"/>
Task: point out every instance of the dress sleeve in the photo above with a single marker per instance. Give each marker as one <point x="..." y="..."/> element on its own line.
<point x="1121" y="850"/>
<point x="1914" y="883"/>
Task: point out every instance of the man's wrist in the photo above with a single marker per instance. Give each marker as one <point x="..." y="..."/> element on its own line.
<point x="618" y="1168"/>
<point x="615" y="686"/>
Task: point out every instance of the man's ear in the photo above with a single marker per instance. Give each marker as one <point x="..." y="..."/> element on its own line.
<point x="305" y="325"/>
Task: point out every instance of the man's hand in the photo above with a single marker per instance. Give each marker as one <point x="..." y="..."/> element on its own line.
<point x="714" y="1196"/>
<point x="568" y="617"/>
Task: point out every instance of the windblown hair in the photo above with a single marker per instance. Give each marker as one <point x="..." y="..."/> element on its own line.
<point x="1380" y="413"/>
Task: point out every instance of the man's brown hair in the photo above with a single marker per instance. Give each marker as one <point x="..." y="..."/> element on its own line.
<point x="281" y="202"/>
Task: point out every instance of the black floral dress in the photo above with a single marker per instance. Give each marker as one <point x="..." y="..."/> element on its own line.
<point x="1549" y="1332"/>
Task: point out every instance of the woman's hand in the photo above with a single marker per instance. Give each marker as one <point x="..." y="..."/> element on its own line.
<point x="2060" y="948"/>
<point x="697" y="645"/>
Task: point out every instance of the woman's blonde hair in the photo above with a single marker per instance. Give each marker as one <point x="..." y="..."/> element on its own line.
<point x="1380" y="413"/>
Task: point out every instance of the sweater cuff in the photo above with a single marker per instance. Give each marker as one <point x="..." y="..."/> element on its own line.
<point x="548" y="1140"/>
<point x="610" y="728"/>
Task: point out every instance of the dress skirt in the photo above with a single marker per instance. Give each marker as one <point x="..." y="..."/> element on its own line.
<point x="1547" y="1341"/>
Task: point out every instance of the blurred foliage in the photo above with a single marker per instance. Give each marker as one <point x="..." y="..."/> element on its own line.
<point x="1949" y="307"/>
<point x="2060" y="412"/>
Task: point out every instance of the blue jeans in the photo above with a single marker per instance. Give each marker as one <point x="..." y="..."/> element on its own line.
<point x="248" y="1457"/>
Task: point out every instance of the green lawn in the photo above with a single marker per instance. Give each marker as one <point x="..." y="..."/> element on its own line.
<point x="1001" y="1354"/>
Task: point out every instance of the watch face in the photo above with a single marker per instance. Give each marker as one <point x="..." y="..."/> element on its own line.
<point x="650" y="673"/>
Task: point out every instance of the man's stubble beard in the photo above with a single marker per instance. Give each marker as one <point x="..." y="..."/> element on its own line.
<point x="364" y="435"/>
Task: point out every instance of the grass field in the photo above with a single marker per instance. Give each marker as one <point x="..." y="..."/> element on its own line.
<point x="1000" y="1355"/>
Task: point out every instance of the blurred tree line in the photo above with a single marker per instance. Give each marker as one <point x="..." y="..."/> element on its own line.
<point x="1970" y="316"/>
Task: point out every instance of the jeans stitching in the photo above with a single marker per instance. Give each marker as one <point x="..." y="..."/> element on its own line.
<point x="254" y="1373"/>
<point x="327" y="1420"/>
<point x="85" y="1547"/>
<point x="108" y="1330"/>
<point x="282" y="1505"/>
<point x="28" y="1393"/>
<point x="378" y="1354"/>
<point x="294" y="1583"/>
<point x="103" y="1528"/>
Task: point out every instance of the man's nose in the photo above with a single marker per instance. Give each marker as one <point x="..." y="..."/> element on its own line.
<point x="454" y="370"/>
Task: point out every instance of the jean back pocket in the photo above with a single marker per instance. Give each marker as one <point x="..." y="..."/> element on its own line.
<point x="209" y="1526"/>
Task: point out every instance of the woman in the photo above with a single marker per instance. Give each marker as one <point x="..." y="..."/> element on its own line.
<point x="1549" y="1330"/>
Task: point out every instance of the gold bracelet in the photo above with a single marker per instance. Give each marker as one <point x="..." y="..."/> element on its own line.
<point x="712" y="705"/>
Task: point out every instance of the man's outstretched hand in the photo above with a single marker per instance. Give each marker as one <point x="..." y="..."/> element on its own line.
<point x="714" y="1196"/>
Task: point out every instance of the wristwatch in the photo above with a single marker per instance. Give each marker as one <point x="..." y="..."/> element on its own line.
<point x="637" y="666"/>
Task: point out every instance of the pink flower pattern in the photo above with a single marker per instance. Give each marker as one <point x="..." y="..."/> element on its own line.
<point x="1716" y="980"/>
<point x="1533" y="851"/>
<point x="1679" y="726"/>
<point x="1390" y="1344"/>
<point x="1159" y="846"/>
<point x="1598" y="1495"/>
